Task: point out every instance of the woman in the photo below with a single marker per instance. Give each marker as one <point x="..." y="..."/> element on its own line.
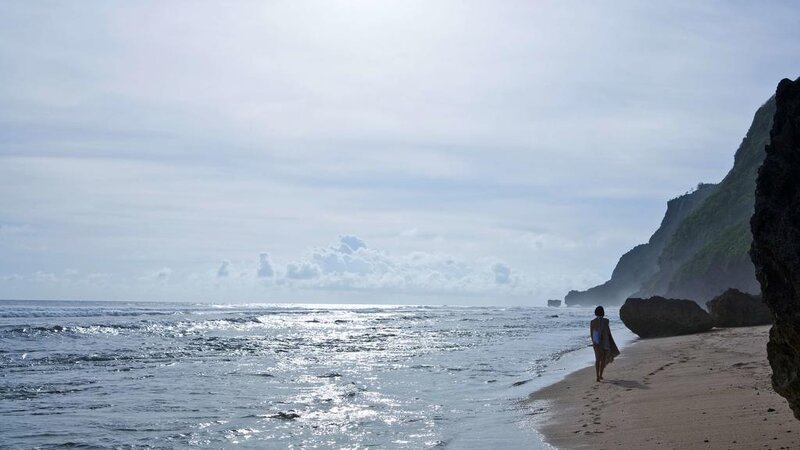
<point x="605" y="350"/>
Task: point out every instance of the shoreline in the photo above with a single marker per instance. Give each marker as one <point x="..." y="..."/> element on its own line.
<point x="706" y="391"/>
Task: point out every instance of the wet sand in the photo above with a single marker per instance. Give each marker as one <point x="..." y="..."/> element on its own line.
<point x="704" y="391"/>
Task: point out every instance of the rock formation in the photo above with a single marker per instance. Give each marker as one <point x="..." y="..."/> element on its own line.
<point x="554" y="303"/>
<point x="641" y="262"/>
<point x="701" y="247"/>
<point x="659" y="317"/>
<point x="734" y="308"/>
<point x="776" y="241"/>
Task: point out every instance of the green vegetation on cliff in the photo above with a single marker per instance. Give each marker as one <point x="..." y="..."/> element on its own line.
<point x="641" y="263"/>
<point x="701" y="248"/>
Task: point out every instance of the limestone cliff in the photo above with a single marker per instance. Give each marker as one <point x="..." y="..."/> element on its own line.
<point x="708" y="253"/>
<point x="701" y="248"/>
<point x="641" y="263"/>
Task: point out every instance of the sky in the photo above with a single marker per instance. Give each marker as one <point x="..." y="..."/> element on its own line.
<point x="416" y="152"/>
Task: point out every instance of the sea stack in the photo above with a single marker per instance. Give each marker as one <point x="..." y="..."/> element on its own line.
<point x="776" y="241"/>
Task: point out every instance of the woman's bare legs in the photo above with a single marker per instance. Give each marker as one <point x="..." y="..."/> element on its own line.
<point x="603" y="365"/>
<point x="599" y="362"/>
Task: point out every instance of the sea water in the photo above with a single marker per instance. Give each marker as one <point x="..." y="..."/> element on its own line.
<point x="156" y="375"/>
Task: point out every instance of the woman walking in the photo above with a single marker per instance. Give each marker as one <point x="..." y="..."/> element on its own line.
<point x="605" y="349"/>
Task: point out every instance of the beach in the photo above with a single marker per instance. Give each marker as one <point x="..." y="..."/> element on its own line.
<point x="702" y="391"/>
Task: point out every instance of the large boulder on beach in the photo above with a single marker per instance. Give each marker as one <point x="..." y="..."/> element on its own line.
<point x="659" y="317"/>
<point x="776" y="241"/>
<point x="734" y="308"/>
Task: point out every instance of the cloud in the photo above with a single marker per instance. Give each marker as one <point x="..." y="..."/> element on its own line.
<point x="46" y="277"/>
<point x="164" y="274"/>
<point x="101" y="278"/>
<point x="264" y="266"/>
<point x="224" y="269"/>
<point x="541" y="241"/>
<point x="350" y="244"/>
<point x="301" y="271"/>
<point x="502" y="273"/>
<point x="351" y="264"/>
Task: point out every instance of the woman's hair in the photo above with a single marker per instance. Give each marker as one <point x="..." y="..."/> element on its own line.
<point x="599" y="311"/>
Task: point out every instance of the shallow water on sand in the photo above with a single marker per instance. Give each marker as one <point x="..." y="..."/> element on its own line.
<point x="106" y="374"/>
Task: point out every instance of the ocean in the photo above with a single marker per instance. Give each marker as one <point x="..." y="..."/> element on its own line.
<point x="282" y="376"/>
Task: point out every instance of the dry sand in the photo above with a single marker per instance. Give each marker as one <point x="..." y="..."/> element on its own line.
<point x="703" y="391"/>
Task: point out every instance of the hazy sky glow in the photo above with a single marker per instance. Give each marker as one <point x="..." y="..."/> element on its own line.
<point x="456" y="152"/>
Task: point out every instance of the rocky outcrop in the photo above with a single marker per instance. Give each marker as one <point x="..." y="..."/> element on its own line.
<point x="701" y="247"/>
<point x="708" y="252"/>
<point x="554" y="303"/>
<point x="659" y="317"/>
<point x="776" y="241"/>
<point x="734" y="308"/>
<point x="641" y="263"/>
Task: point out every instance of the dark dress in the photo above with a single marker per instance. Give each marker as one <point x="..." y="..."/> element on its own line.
<point x="607" y="350"/>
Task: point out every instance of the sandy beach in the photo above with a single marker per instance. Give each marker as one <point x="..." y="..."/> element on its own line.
<point x="704" y="391"/>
